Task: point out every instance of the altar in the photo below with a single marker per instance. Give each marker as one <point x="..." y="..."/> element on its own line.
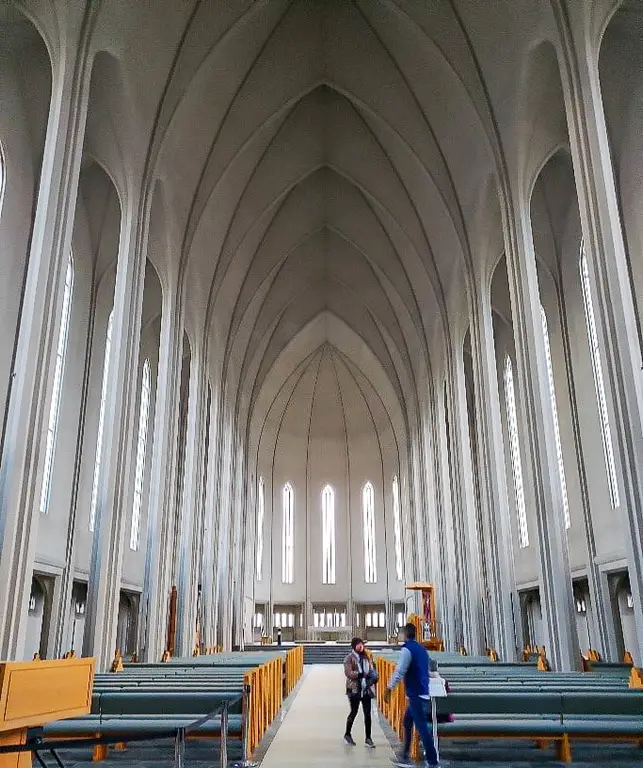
<point x="330" y="634"/>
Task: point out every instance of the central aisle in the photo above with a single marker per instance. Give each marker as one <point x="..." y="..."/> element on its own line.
<point x="312" y="730"/>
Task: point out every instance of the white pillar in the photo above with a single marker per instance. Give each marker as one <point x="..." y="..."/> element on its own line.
<point x="452" y="613"/>
<point x="493" y="479"/>
<point x="21" y="465"/>
<point x="195" y="437"/>
<point x="162" y="481"/>
<point x="467" y="553"/>
<point x="114" y="489"/>
<point x="209" y="530"/>
<point x="536" y="412"/>
<point x="438" y="574"/>
<point x="607" y="261"/>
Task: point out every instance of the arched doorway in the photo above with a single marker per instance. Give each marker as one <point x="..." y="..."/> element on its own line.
<point x="623" y="612"/>
<point x="126" y="632"/>
<point x="39" y="616"/>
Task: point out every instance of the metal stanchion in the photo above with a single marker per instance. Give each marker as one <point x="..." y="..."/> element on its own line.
<point x="245" y="728"/>
<point x="179" y="748"/>
<point x="224" y="736"/>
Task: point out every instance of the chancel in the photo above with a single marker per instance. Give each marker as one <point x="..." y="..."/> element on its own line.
<point x="319" y="318"/>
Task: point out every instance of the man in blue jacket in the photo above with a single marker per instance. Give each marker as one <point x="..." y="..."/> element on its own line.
<point x="413" y="668"/>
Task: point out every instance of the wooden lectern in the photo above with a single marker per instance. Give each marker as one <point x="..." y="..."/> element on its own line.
<point x="33" y="693"/>
<point x="427" y="616"/>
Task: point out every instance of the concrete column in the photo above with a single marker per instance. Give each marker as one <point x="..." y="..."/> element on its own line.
<point x="21" y="464"/>
<point x="416" y="483"/>
<point x="601" y="613"/>
<point x="467" y="554"/>
<point x="536" y="413"/>
<point x="195" y="438"/>
<point x="493" y="479"/>
<point x="607" y="262"/>
<point x="452" y="614"/>
<point x="209" y="531"/>
<point x="162" y="481"/>
<point x="224" y="559"/>
<point x="435" y="522"/>
<point x="114" y="488"/>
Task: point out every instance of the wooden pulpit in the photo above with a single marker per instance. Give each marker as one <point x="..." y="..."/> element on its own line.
<point x="33" y="693"/>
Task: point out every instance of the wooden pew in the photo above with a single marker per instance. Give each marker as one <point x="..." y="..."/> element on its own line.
<point x="34" y="693"/>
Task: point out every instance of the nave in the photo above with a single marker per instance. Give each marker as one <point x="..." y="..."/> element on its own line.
<point x="315" y="316"/>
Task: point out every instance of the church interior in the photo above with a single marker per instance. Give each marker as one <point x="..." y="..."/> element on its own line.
<point x="319" y="318"/>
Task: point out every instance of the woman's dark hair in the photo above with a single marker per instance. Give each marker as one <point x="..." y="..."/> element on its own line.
<point x="355" y="642"/>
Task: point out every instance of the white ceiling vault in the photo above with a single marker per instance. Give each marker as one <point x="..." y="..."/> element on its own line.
<point x="325" y="163"/>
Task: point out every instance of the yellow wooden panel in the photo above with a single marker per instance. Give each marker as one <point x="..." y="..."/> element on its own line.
<point x="37" y="692"/>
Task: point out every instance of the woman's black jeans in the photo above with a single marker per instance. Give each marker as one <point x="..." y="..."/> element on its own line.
<point x="354" y="702"/>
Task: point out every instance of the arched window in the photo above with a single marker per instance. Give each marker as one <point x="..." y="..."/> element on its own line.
<point x="141" y="454"/>
<point x="288" y="543"/>
<point x="368" y="509"/>
<point x="101" y="425"/>
<point x="261" y="502"/>
<point x="552" y="397"/>
<point x="328" y="535"/>
<point x="397" y="528"/>
<point x="59" y="368"/>
<point x="599" y="384"/>
<point x="514" y="449"/>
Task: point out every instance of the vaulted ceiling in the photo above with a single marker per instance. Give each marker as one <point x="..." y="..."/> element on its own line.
<point x="310" y="159"/>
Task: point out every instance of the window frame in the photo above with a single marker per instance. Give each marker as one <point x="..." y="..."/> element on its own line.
<point x="261" y="511"/>
<point x="397" y="528"/>
<point x="557" y="441"/>
<point x="599" y="380"/>
<point x="98" y="460"/>
<point x="328" y="535"/>
<point x="57" y="389"/>
<point x="368" y="525"/>
<point x="514" y="451"/>
<point x="141" y="454"/>
<point x="288" y="534"/>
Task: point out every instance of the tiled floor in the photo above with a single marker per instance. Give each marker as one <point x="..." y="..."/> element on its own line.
<point x="311" y="733"/>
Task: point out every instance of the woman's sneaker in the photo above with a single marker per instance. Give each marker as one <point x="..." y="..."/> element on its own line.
<point x="369" y="743"/>
<point x="348" y="739"/>
<point x="403" y="762"/>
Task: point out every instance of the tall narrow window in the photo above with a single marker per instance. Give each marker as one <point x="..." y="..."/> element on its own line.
<point x="328" y="535"/>
<point x="599" y="384"/>
<point x="59" y="368"/>
<point x="261" y="502"/>
<point x="288" y="544"/>
<point x="141" y="454"/>
<point x="552" y="397"/>
<point x="397" y="528"/>
<point x="101" y="425"/>
<point x="368" y="509"/>
<point x="514" y="449"/>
